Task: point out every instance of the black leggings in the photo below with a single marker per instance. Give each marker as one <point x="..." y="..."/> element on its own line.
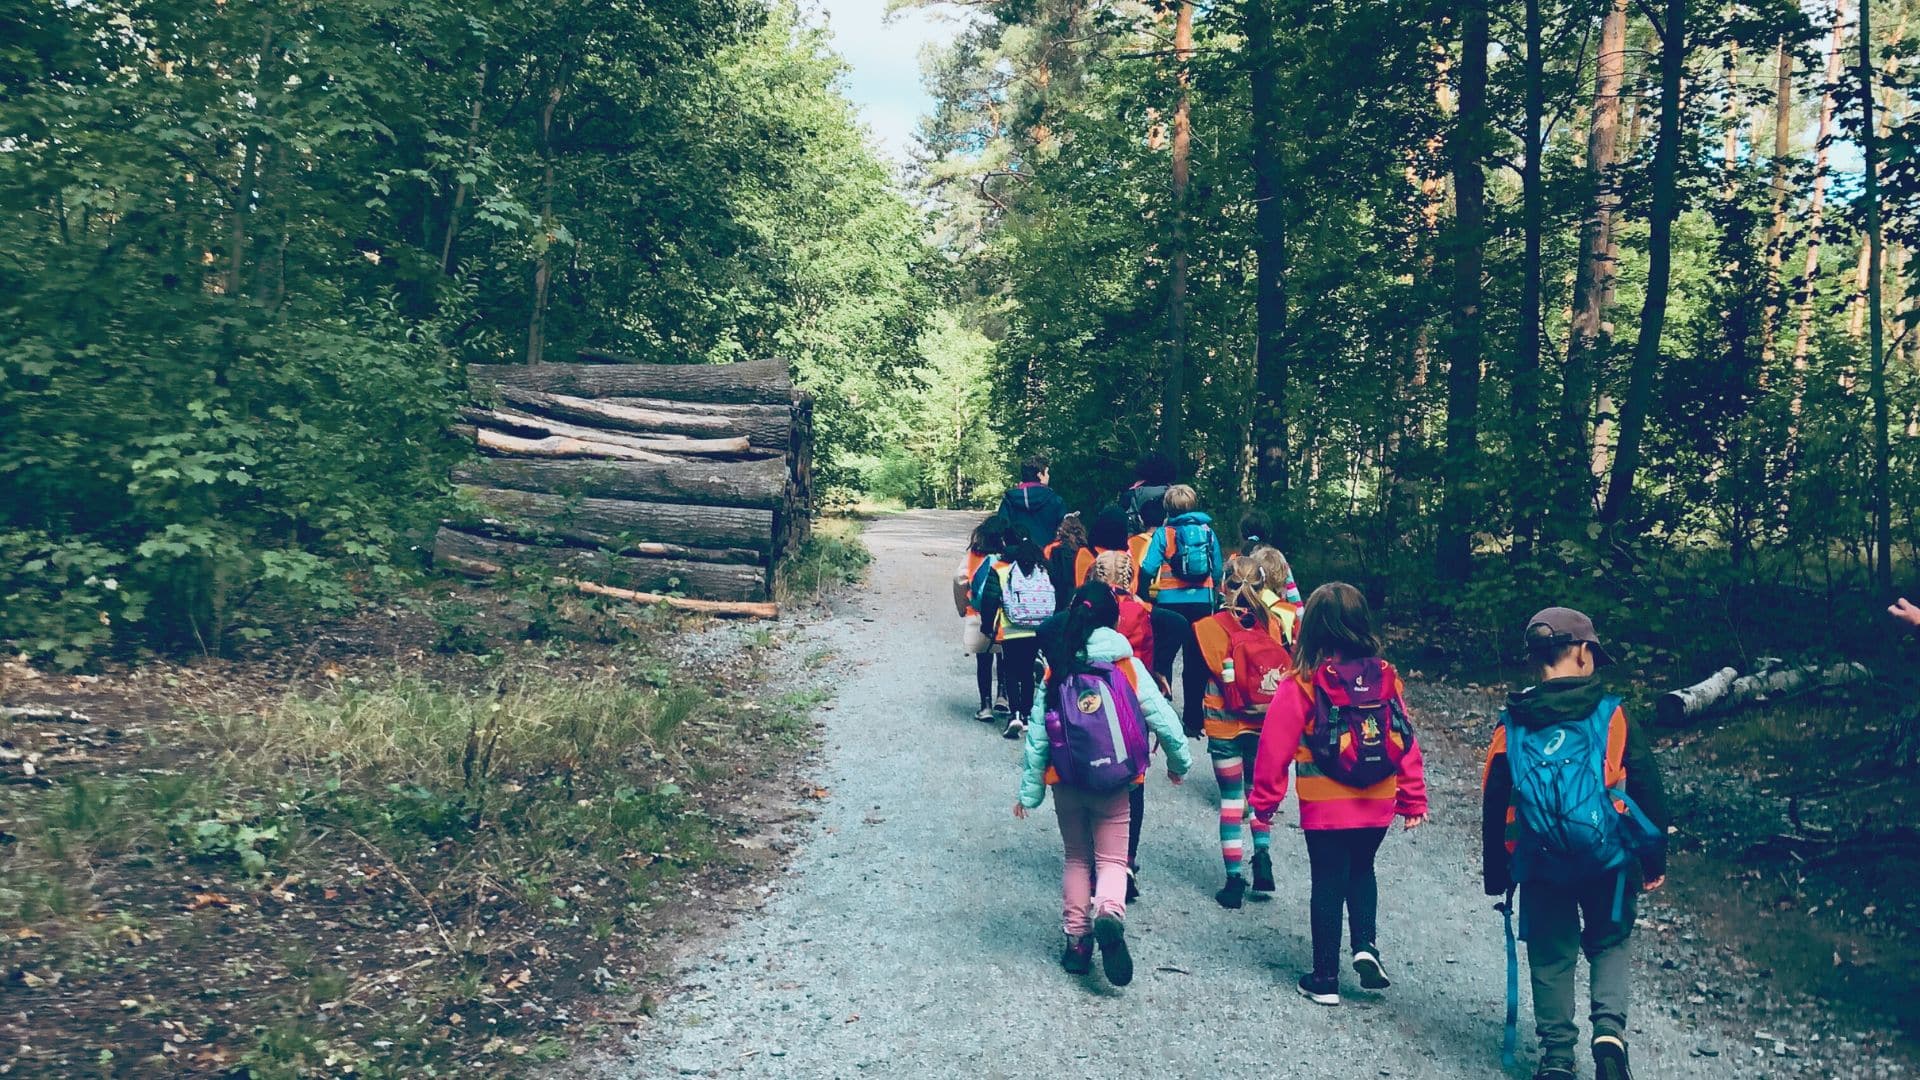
<point x="1137" y="799"/>
<point x="1193" y="670"/>
<point x="983" y="676"/>
<point x="1342" y="865"/>
<point x="1018" y="657"/>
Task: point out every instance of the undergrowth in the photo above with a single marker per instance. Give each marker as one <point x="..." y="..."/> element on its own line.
<point x="833" y="555"/>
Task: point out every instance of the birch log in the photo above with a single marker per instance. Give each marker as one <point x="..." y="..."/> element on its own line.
<point x="1678" y="706"/>
<point x="1718" y="694"/>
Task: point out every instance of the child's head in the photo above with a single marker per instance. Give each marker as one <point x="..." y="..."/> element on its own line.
<point x="1153" y="513"/>
<point x="1562" y="643"/>
<point x="989" y="537"/>
<point x="1180" y="499"/>
<point x="1072" y="533"/>
<point x="1274" y="568"/>
<point x="1091" y="608"/>
<point x="1242" y="571"/>
<point x="1034" y="470"/>
<point x="1113" y="568"/>
<point x="1337" y="625"/>
<point x="1023" y="552"/>
<point x="1255" y="529"/>
<point x="1242" y="597"/>
<point x="1109" y="531"/>
<point x="1155" y="470"/>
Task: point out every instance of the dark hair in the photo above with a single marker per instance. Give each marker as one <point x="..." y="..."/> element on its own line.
<point x="1547" y="646"/>
<point x="1153" y="513"/>
<point x="1155" y="470"/>
<point x="1109" y="531"/>
<point x="1337" y="623"/>
<point x="989" y="536"/>
<point x="1255" y="528"/>
<point x="1025" y="553"/>
<point x="1091" y="608"/>
<point x="1031" y="469"/>
<point x="1072" y="533"/>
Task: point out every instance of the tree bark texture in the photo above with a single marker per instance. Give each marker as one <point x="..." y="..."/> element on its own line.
<point x="1718" y="694"/>
<point x="1270" y="436"/>
<point x="751" y="382"/>
<point x="684" y="525"/>
<point x="1466" y="334"/>
<point x="1777" y="223"/>
<point x="530" y="426"/>
<point x="1530" y="472"/>
<point x="708" y="581"/>
<point x="767" y="427"/>
<point x="1876" y="327"/>
<point x="756" y="484"/>
<point x="719" y="608"/>
<point x="1816" y="217"/>
<point x="1173" y="405"/>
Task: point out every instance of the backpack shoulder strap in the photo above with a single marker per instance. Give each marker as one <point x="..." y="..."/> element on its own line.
<point x="1615" y="719"/>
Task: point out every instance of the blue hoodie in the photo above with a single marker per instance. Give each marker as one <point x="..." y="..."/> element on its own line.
<point x="1157" y="556"/>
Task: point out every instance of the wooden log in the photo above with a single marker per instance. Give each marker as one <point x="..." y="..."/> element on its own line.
<point x="1677" y="706"/>
<point x="695" y="408"/>
<point x="722" y="608"/>
<point x="700" y="580"/>
<point x="765" y="427"/>
<point x="1770" y="684"/>
<point x="651" y="522"/>
<point x="751" y="382"/>
<point x="758" y="485"/>
<point x="560" y="446"/>
<point x="528" y="426"/>
<point x="540" y="534"/>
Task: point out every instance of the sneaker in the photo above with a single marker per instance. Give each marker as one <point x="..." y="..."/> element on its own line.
<point x="1233" y="892"/>
<point x="1372" y="975"/>
<point x="985" y="715"/>
<point x="1077" y="957"/>
<point x="1001" y="708"/>
<point x="1262" y="872"/>
<point x="1610" y="1059"/>
<point x="1555" y="1072"/>
<point x="1320" y="991"/>
<point x="1016" y="727"/>
<point x="1111" y="931"/>
<point x="1133" y="886"/>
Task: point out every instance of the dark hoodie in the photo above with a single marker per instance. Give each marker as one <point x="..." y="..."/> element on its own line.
<point x="1555" y="702"/>
<point x="1035" y="510"/>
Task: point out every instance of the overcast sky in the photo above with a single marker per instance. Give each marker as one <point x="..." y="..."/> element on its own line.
<point x="885" y="57"/>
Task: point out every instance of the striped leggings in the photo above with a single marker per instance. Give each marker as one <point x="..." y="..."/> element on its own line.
<point x="1231" y="760"/>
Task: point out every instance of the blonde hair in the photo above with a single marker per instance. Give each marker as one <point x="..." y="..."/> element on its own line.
<point x="1273" y="566"/>
<point x="1180" y="499"/>
<point x="1243" y="595"/>
<point x="1242" y="570"/>
<point x="1113" y="568"/>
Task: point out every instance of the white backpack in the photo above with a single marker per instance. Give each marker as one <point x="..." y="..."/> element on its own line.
<point x="1029" y="597"/>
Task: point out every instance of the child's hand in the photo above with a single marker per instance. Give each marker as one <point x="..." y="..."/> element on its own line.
<point x="1904" y="610"/>
<point x="1414" y="822"/>
<point x="1019" y="810"/>
<point x="1176" y="779"/>
<point x="1655" y="883"/>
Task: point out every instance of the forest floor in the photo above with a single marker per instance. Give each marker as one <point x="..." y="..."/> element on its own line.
<point x="459" y="834"/>
<point x="916" y="931"/>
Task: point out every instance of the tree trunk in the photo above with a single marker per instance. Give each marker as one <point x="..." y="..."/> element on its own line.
<point x="1816" y="216"/>
<point x="543" y="271"/>
<point x="751" y="382"/>
<point x="1270" y="272"/>
<point x="1530" y="471"/>
<point x="460" y="192"/>
<point x="1777" y="222"/>
<point x="1876" y="344"/>
<point x="1466" y="331"/>
<point x="1173" y="405"/>
<point x="1677" y="706"/>
<point x="707" y="581"/>
<point x="1653" y="313"/>
<point x="1718" y="694"/>
<point x="733" y="533"/>
<point x="768" y="427"/>
<point x="1589" y="332"/>
<point x="758" y="484"/>
<point x="538" y="428"/>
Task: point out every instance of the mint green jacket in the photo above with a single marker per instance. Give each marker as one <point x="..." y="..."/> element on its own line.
<point x="1106" y="646"/>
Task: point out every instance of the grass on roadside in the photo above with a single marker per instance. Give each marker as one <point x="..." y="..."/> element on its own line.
<point x="833" y="555"/>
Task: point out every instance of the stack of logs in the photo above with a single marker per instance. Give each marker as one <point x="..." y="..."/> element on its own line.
<point x="675" y="483"/>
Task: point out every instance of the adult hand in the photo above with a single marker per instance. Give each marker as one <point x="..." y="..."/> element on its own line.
<point x="1020" y="810"/>
<point x="1655" y="883"/>
<point x="1905" y="611"/>
<point x="1176" y="779"/>
<point x="1414" y="822"/>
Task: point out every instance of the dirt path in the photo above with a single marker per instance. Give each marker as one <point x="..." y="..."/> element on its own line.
<point x="917" y="933"/>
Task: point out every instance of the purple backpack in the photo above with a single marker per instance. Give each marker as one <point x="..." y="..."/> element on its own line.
<point x="1094" y="734"/>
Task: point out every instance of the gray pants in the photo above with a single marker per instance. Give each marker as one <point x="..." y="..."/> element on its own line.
<point x="1558" y="922"/>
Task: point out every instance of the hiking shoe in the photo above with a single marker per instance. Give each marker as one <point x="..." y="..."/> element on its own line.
<point x="1233" y="892"/>
<point x="1366" y="962"/>
<point x="1111" y="931"/>
<point x="1077" y="957"/>
<point x="1555" y="1072"/>
<point x="1262" y="872"/>
<point x="1016" y="727"/>
<point x="1319" y="990"/>
<point x="1610" y="1059"/>
<point x="985" y="715"/>
<point x="1133" y="888"/>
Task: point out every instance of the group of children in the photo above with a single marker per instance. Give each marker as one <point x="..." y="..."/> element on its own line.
<point x="1075" y="631"/>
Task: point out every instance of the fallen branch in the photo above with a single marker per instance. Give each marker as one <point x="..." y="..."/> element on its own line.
<point x="1723" y="693"/>
<point x="724" y="608"/>
<point x="1676" y="706"/>
<point x="43" y="714"/>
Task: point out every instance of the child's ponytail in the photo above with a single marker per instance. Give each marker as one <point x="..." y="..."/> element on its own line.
<point x="1091" y="608"/>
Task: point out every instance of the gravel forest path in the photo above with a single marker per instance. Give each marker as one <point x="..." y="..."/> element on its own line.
<point x="917" y="931"/>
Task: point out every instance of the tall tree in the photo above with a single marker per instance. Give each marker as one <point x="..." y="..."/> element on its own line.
<point x="1777" y="219"/>
<point x="1524" y="395"/>
<point x="1816" y="218"/>
<point x="1270" y="254"/>
<point x="1173" y="405"/>
<point x="1665" y="207"/>
<point x="1876" y="347"/>
<point x="1466" y="335"/>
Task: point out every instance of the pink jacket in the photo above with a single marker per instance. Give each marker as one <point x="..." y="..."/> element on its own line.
<point x="1326" y="803"/>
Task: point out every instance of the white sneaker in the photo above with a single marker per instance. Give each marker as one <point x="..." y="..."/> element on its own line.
<point x="1016" y="727"/>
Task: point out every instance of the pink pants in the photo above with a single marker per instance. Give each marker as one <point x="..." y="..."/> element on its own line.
<point x="1093" y="829"/>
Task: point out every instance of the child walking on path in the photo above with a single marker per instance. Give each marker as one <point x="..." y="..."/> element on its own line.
<point x="1340" y="721"/>
<point x="1245" y="666"/>
<point x="969" y="579"/>
<point x="1577" y="887"/>
<point x="1017" y="597"/>
<point x="1183" y="563"/>
<point x="1114" y="569"/>
<point x="1098" y="697"/>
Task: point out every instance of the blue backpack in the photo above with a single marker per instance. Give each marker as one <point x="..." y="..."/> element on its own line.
<point x="1190" y="552"/>
<point x="1571" y="827"/>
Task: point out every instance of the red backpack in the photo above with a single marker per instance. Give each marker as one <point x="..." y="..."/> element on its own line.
<point x="1253" y="670"/>
<point x="1136" y="625"/>
<point x="1358" y="732"/>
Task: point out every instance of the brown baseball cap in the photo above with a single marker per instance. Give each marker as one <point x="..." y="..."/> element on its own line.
<point x="1566" y="626"/>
